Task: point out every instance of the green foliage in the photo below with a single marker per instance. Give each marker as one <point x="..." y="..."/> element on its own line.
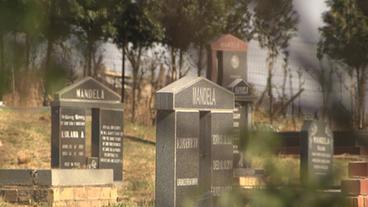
<point x="345" y="34"/>
<point x="238" y="20"/>
<point x="92" y="21"/>
<point x="275" y="24"/>
<point x="344" y="39"/>
<point x="135" y="24"/>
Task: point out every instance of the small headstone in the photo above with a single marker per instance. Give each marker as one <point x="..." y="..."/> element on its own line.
<point x="316" y="151"/>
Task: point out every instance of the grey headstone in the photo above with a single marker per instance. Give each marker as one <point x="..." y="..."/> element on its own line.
<point x="316" y="151"/>
<point x="221" y="154"/>
<point x="189" y="167"/>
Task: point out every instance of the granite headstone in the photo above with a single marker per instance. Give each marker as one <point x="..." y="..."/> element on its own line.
<point x="316" y="151"/>
<point x="69" y="110"/>
<point x="190" y="166"/>
<point x="107" y="140"/>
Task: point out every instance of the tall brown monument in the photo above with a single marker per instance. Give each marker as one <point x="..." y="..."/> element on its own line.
<point x="227" y="66"/>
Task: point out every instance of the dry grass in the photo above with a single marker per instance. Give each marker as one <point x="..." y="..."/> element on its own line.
<point x="29" y="132"/>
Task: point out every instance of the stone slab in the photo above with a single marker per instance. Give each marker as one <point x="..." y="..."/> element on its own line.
<point x="56" y="177"/>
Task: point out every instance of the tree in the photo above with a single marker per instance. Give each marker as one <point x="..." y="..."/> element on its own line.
<point x="209" y="19"/>
<point x="238" y="20"/>
<point x="275" y="24"/>
<point x="136" y="31"/>
<point x="344" y="39"/>
<point x="92" y="21"/>
<point x="179" y="21"/>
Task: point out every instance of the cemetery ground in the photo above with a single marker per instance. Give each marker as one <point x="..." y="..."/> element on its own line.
<point x="25" y="143"/>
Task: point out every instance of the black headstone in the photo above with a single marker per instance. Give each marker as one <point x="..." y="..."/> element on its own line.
<point x="316" y="151"/>
<point x="190" y="167"/>
<point x="68" y="137"/>
<point x="107" y="139"/>
<point x="68" y="127"/>
<point x="232" y="66"/>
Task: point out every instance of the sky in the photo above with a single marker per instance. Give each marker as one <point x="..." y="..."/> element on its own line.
<point x="310" y="18"/>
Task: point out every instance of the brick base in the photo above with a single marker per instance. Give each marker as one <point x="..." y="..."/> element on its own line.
<point x="81" y="196"/>
<point x="357" y="201"/>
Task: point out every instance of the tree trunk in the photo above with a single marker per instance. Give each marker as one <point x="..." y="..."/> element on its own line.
<point x="49" y="50"/>
<point x="173" y="65"/>
<point x="299" y="99"/>
<point x="181" y="53"/>
<point x="199" y="63"/>
<point x="353" y="99"/>
<point x="14" y="63"/>
<point x="28" y="49"/>
<point x="1" y="52"/>
<point x="2" y="69"/>
<point x="269" y="87"/>
<point x="361" y="96"/>
<point x="89" y="58"/>
<point x="135" y="62"/>
<point x="123" y="73"/>
<point x="285" y="68"/>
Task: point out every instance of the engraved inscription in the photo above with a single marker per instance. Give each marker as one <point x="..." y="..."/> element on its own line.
<point x="95" y="94"/>
<point x="204" y="96"/>
<point x="222" y="164"/>
<point x="111" y="136"/>
<point x="187" y="143"/>
<point x="187" y="181"/>
<point x="218" y="139"/>
<point x="72" y="137"/>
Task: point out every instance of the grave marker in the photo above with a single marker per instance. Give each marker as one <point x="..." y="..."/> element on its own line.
<point x="316" y="151"/>
<point x="227" y="66"/>
<point x="227" y="60"/>
<point x="193" y="149"/>
<point x="69" y="111"/>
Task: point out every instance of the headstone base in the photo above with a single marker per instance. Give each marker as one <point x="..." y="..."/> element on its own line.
<point x="66" y="187"/>
<point x="60" y="195"/>
<point x="249" y="178"/>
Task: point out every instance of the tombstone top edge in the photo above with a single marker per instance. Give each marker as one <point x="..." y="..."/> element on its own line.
<point x="110" y="97"/>
<point x="186" y="82"/>
<point x="195" y="93"/>
<point x="228" y="42"/>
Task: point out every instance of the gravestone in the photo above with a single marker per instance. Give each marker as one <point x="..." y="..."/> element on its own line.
<point x="227" y="66"/>
<point x="69" y="110"/>
<point x="316" y="151"/>
<point x="194" y="142"/>
<point x="107" y="137"/>
<point x="227" y="60"/>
